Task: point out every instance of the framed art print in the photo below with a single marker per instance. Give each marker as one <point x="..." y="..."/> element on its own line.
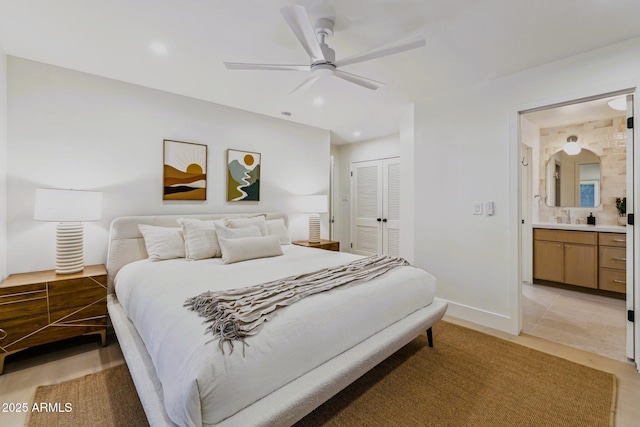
<point x="243" y="176"/>
<point x="185" y="171"/>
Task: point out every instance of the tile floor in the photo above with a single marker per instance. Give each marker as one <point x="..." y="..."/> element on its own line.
<point x="589" y="322"/>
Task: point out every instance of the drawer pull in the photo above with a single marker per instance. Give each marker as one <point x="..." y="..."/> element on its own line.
<point x="3" y="334"/>
<point x="620" y="240"/>
<point x="619" y="259"/>
<point x="624" y="282"/>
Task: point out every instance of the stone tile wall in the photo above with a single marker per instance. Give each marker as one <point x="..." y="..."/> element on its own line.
<point x="607" y="139"/>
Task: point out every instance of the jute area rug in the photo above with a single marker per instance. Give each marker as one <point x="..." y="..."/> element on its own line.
<point x="467" y="379"/>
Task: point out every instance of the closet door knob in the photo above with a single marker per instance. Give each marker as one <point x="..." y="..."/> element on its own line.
<point x="379" y="219"/>
<point x="384" y="220"/>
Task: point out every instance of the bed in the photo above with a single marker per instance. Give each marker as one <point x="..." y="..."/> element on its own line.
<point x="306" y="354"/>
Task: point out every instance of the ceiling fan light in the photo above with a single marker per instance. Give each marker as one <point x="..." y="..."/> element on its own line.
<point x="619" y="104"/>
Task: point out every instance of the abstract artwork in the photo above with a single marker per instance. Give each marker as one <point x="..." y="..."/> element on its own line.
<point x="185" y="171"/>
<point x="243" y="176"/>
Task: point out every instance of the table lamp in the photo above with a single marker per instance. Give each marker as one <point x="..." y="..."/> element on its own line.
<point x="70" y="208"/>
<point x="314" y="205"/>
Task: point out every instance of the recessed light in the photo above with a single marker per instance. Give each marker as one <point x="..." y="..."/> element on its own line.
<point x="318" y="100"/>
<point x="357" y="133"/>
<point x="159" y="48"/>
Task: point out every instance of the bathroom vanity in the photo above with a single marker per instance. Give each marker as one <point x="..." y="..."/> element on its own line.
<point x="581" y="255"/>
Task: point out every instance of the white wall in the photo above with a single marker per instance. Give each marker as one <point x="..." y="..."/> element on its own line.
<point x="69" y="129"/>
<point x="466" y="149"/>
<point x="408" y="192"/>
<point x="379" y="148"/>
<point x="3" y="164"/>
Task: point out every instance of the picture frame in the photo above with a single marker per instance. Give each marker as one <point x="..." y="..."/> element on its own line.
<point x="243" y="176"/>
<point x="184" y="170"/>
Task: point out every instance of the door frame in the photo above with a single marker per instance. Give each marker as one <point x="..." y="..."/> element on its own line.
<point x="515" y="189"/>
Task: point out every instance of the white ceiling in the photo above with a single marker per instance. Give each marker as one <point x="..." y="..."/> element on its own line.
<point x="468" y="41"/>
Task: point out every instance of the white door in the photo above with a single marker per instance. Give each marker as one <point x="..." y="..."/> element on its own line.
<point x="633" y="346"/>
<point x="391" y="207"/>
<point x="376" y="207"/>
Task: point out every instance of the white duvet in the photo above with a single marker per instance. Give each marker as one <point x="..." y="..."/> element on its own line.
<point x="203" y="386"/>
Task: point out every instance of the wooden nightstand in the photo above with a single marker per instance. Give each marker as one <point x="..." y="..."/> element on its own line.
<point x="41" y="307"/>
<point x="330" y="245"/>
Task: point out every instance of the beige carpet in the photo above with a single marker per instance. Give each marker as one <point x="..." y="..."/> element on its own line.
<point x="468" y="379"/>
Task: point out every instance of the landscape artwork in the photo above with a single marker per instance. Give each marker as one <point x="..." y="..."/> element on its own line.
<point x="185" y="171"/>
<point x="243" y="176"/>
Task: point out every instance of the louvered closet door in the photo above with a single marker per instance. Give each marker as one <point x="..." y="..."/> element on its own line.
<point x="391" y="207"/>
<point x="367" y="208"/>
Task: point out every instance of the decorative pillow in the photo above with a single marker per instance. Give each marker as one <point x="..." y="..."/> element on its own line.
<point x="246" y="248"/>
<point x="238" y="233"/>
<point x="260" y="221"/>
<point x="200" y="238"/>
<point x="276" y="227"/>
<point x="162" y="242"/>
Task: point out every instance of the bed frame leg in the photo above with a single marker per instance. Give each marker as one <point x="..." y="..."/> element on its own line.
<point x="430" y="337"/>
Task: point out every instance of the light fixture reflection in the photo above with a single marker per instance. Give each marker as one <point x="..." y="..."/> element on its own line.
<point x="572" y="147"/>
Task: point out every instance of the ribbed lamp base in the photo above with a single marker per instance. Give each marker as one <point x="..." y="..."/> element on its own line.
<point x="314" y="228"/>
<point x="69" y="243"/>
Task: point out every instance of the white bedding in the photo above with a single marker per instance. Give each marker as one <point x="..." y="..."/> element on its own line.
<point x="203" y="386"/>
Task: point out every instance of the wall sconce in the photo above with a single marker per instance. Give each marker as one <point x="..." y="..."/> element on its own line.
<point x="572" y="147"/>
<point x="69" y="207"/>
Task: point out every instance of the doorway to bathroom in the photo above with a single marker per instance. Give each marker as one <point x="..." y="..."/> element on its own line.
<point x="577" y="168"/>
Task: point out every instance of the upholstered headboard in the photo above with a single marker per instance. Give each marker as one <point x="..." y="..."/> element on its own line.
<point x="126" y="244"/>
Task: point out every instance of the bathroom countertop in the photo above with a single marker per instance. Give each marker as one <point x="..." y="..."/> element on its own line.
<point x="584" y="227"/>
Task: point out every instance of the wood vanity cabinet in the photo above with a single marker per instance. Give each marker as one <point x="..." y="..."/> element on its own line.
<point x="565" y="256"/>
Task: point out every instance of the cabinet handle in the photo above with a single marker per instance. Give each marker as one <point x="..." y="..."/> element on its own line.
<point x="624" y="282"/>
<point x="619" y="259"/>
<point x="3" y="334"/>
<point x="619" y="240"/>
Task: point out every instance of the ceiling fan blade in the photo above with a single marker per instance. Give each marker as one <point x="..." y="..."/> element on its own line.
<point x="306" y="84"/>
<point x="386" y="50"/>
<point x="359" y="80"/>
<point x="298" y="20"/>
<point x="272" y="67"/>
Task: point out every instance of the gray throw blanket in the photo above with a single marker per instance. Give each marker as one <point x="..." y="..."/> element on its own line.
<point x="238" y="313"/>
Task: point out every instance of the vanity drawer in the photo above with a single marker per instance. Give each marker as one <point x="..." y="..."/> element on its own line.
<point x="581" y="237"/>
<point x="613" y="280"/>
<point x="613" y="239"/>
<point x="613" y="257"/>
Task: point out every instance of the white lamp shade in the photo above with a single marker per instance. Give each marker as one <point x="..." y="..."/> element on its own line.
<point x="67" y="205"/>
<point x="314" y="204"/>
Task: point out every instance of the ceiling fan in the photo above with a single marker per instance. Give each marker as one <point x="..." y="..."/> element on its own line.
<point x="322" y="57"/>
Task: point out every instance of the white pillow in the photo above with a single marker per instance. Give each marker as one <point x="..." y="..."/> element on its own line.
<point x="238" y="233"/>
<point x="200" y="238"/>
<point x="276" y="227"/>
<point x="260" y="221"/>
<point x="162" y="242"/>
<point x="245" y="248"/>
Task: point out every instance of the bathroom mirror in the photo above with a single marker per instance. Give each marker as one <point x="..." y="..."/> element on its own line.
<point x="573" y="181"/>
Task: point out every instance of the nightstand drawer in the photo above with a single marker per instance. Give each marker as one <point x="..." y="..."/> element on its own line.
<point x="91" y="311"/>
<point x="21" y="301"/>
<point x="21" y="332"/>
<point x="332" y="246"/>
<point x="65" y="294"/>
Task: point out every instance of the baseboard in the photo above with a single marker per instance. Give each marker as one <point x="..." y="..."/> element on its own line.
<point x="480" y="317"/>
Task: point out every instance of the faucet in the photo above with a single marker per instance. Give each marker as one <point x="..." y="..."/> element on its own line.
<point x="568" y="217"/>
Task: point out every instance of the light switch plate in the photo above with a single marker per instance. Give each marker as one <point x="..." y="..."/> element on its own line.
<point x="477" y="208"/>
